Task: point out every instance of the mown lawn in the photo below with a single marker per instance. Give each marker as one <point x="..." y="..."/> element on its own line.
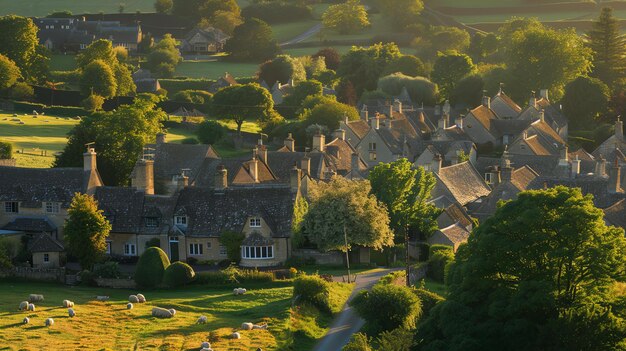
<point x="215" y="69"/>
<point x="109" y="325"/>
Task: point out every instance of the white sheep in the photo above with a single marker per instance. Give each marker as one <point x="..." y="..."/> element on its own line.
<point x="133" y="299"/>
<point x="23" y="306"/>
<point x="102" y="298"/>
<point x="172" y="311"/>
<point x="68" y="303"/>
<point x="205" y="345"/>
<point x="239" y="291"/>
<point x="235" y="335"/>
<point x="70" y="312"/>
<point x="262" y="326"/>
<point x="247" y="326"/>
<point x="49" y="322"/>
<point x="26" y="320"/>
<point x="129" y="306"/>
<point x="142" y="299"/>
<point x="35" y="298"/>
<point x="161" y="313"/>
<point x="202" y="320"/>
<point x="31" y="307"/>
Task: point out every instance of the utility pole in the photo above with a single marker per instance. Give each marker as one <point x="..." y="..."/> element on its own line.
<point x="345" y="238"/>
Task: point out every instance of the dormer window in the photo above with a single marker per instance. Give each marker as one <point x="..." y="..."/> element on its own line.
<point x="151" y="222"/>
<point x="180" y="220"/>
<point x="11" y="207"/>
<point x="255" y="222"/>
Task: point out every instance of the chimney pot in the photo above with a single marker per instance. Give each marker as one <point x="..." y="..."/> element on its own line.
<point x="305" y="165"/>
<point x="364" y="114"/>
<point x="575" y="167"/>
<point x="319" y="142"/>
<point x="294" y="179"/>
<point x="487" y="101"/>
<point x="89" y="159"/>
<point x="375" y="122"/>
<point x="619" y="129"/>
<point x="221" y="178"/>
<point x="290" y="144"/>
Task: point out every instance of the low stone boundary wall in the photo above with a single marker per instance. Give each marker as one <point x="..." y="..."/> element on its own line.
<point x="331" y="258"/>
<point x="116" y="283"/>
<point x="46" y="274"/>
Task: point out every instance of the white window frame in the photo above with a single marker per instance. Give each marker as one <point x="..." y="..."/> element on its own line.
<point x="46" y="258"/>
<point x="180" y="220"/>
<point x="372" y="147"/>
<point x="109" y="247"/>
<point x="255" y="222"/>
<point x="489" y="178"/>
<point x="223" y="251"/>
<point x="52" y="207"/>
<point x="130" y="249"/>
<point x="11" y="207"/>
<point x="372" y="155"/>
<point x="195" y="249"/>
<point x="258" y="252"/>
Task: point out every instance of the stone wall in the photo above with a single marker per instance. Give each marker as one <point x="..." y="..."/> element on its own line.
<point x="331" y="258"/>
<point x="116" y="283"/>
<point x="46" y="274"/>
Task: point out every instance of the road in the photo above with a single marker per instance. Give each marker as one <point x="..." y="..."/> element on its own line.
<point x="304" y="36"/>
<point x="347" y="322"/>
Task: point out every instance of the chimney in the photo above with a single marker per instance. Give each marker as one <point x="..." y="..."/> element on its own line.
<point x="305" y="165"/>
<point x="290" y="143"/>
<point x="375" y="122"/>
<point x="496" y="179"/>
<point x="525" y="134"/>
<point x="542" y="115"/>
<point x="533" y="100"/>
<point x="391" y="111"/>
<point x="354" y="162"/>
<point x="339" y="134"/>
<point x="397" y="105"/>
<point x="182" y="181"/>
<point x="263" y="154"/>
<point x="506" y="173"/>
<point x="459" y="122"/>
<point x="544" y="94"/>
<point x="615" y="178"/>
<point x="221" y="178"/>
<point x="319" y="142"/>
<point x="600" y="167"/>
<point x="160" y="138"/>
<point x="89" y="159"/>
<point x="254" y="169"/>
<point x="575" y="167"/>
<point x="619" y="129"/>
<point x="143" y="178"/>
<point x="294" y="179"/>
<point x="487" y="101"/>
<point x="364" y="113"/>
<point x="443" y="122"/>
<point x="563" y="155"/>
<point x="446" y="108"/>
<point x="436" y="163"/>
<point x="437" y="110"/>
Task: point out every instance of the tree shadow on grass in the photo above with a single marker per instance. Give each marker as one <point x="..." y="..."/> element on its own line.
<point x="11" y="325"/>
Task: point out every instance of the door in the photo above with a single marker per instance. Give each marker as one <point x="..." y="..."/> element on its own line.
<point x="174" y="248"/>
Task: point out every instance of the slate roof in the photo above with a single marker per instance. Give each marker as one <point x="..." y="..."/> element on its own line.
<point x="170" y="159"/>
<point x="209" y="34"/>
<point x="521" y="179"/>
<point x="616" y="214"/>
<point x="360" y="129"/>
<point x="582" y="155"/>
<point x="26" y="224"/>
<point x="212" y="212"/>
<point x="485" y="117"/>
<point x="123" y="208"/>
<point x="457" y="214"/>
<point x="341" y="160"/>
<point x="281" y="163"/>
<point x="32" y="186"/>
<point x="542" y="165"/>
<point x="598" y="187"/>
<point x="456" y="233"/>
<point x="45" y="243"/>
<point x="552" y="115"/>
<point x="462" y="182"/>
<point x="504" y="106"/>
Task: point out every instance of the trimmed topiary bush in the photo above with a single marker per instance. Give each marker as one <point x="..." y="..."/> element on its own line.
<point x="177" y="274"/>
<point x="439" y="257"/>
<point x="151" y="267"/>
<point x="314" y="290"/>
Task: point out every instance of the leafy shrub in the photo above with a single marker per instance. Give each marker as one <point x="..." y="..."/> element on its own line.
<point x="154" y="242"/>
<point x="396" y="340"/>
<point x="177" y="274"/>
<point x="22" y="91"/>
<point x="232" y="240"/>
<point x="93" y="102"/>
<point x="233" y="276"/>
<point x="192" y="260"/>
<point x="438" y="257"/>
<point x="314" y="290"/>
<point x="151" y="267"/>
<point x="87" y="278"/>
<point x="5" y="260"/>
<point x="193" y="96"/>
<point x="108" y="270"/>
<point x="173" y="86"/>
<point x="429" y="299"/>
<point x="6" y="150"/>
<point x="210" y="132"/>
<point x="420" y="89"/>
<point x="387" y="307"/>
<point x="358" y="342"/>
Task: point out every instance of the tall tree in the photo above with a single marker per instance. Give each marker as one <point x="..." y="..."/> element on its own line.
<point x="537" y="275"/>
<point x="163" y="57"/>
<point x="346" y="18"/>
<point x="405" y="190"/>
<point x="252" y="41"/>
<point x="449" y="69"/>
<point x="363" y="66"/>
<point x="609" y="48"/>
<point x="163" y="6"/>
<point x="98" y="78"/>
<point x="100" y="49"/>
<point x="20" y="44"/>
<point x="343" y="204"/>
<point x="241" y="102"/>
<point x="86" y="230"/>
<point x="408" y="65"/>
<point x="584" y="100"/>
<point x="329" y="114"/>
<point x="9" y="72"/>
<point x="281" y="69"/>
<point x="401" y="13"/>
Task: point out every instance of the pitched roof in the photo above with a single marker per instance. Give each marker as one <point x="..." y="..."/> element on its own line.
<point x="503" y="106"/>
<point x="341" y="158"/>
<point x="616" y="214"/>
<point x="463" y="182"/>
<point x="521" y="179"/>
<point x="170" y="159"/>
<point x="27" y="224"/>
<point x="457" y="214"/>
<point x="360" y="128"/>
<point x="123" y="208"/>
<point x="456" y="233"/>
<point x="45" y="243"/>
<point x="582" y="155"/>
<point x="485" y="117"/>
<point x="209" y="34"/>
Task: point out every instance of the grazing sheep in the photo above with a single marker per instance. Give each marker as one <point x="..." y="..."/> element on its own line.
<point x="247" y="326"/>
<point x="31" y="307"/>
<point x="142" y="299"/>
<point x="161" y="313"/>
<point x="262" y="326"/>
<point x="133" y="299"/>
<point x="202" y="320"/>
<point x="49" y="322"/>
<point x="129" y="306"/>
<point x="23" y="306"/>
<point x="239" y="291"/>
<point x="68" y="303"/>
<point x="235" y="335"/>
<point x="70" y="312"/>
<point x="35" y="298"/>
<point x="26" y="320"/>
<point x="102" y="298"/>
<point x="205" y="345"/>
<point x="172" y="311"/>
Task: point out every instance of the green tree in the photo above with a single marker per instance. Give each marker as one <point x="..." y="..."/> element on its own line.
<point x="562" y="58"/>
<point x="346" y="18"/>
<point x="282" y="69"/>
<point x="401" y="13"/>
<point x="537" y="275"/>
<point x="398" y="339"/>
<point x="329" y="114"/>
<point x="124" y="79"/>
<point x="293" y="102"/>
<point x="408" y="65"/>
<point x="100" y="49"/>
<point x="151" y="267"/>
<point x="92" y="103"/>
<point x="232" y="241"/>
<point x="584" y="100"/>
<point x="420" y="89"/>
<point x="98" y="78"/>
<point x="363" y="66"/>
<point x="198" y="9"/>
<point x="347" y="205"/>
<point x="20" y="44"/>
<point x="178" y="274"/>
<point x="468" y="92"/>
<point x="449" y="69"/>
<point x="224" y="20"/>
<point x="482" y="45"/>
<point x="85" y="230"/>
<point x="164" y="57"/>
<point x="332" y="58"/>
<point x="163" y="6"/>
<point x="6" y="150"/>
<point x="252" y="41"/>
<point x="241" y="102"/>
<point x="609" y="48"/>
<point x="22" y="92"/>
<point x="405" y="192"/>
<point x="358" y="342"/>
<point x="210" y="132"/>
<point x="119" y="137"/>
<point x="9" y="72"/>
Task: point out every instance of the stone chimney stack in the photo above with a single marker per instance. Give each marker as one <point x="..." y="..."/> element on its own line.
<point x="563" y="155"/>
<point x="600" y="167"/>
<point x="533" y="100"/>
<point x="397" y="105"/>
<point x="487" y="101"/>
<point x="575" y="167"/>
<point x="294" y="179"/>
<point x="290" y="143"/>
<point x="160" y="138"/>
<point x="354" y="162"/>
<point x="506" y="171"/>
<point x="615" y="178"/>
<point x="339" y="134"/>
<point x="542" y="115"/>
<point x="254" y="169"/>
<point x="375" y="122"/>
<point x="89" y="159"/>
<point x="262" y="151"/>
<point x="544" y="94"/>
<point x="459" y="122"/>
<point x="390" y="110"/>
<point x="619" y="129"/>
<point x="143" y="178"/>
<point x="182" y="181"/>
<point x="319" y="142"/>
<point x="305" y="165"/>
<point x="364" y="113"/>
<point x="221" y="178"/>
<point x="443" y="122"/>
<point x="436" y="163"/>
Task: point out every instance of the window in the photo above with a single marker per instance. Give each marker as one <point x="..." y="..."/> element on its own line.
<point x="180" y="220"/>
<point x="195" y="249"/>
<point x="46" y="258"/>
<point x="488" y="178"/>
<point x="53" y="207"/>
<point x="505" y="139"/>
<point x="11" y="207"/>
<point x="208" y="245"/>
<point x="372" y="147"/>
<point x="108" y="248"/>
<point x="257" y="252"/>
<point x="152" y="222"/>
<point x="255" y="222"/>
<point x="372" y="156"/>
<point x="223" y="251"/>
<point x="130" y="250"/>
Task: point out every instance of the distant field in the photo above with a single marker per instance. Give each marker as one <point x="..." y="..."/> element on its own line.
<point x="490" y="3"/>
<point x="45" y="7"/>
<point x="62" y="62"/>
<point x="215" y="69"/>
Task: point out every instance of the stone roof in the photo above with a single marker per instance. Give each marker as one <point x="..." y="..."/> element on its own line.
<point x="360" y="128"/>
<point x="209" y="34"/>
<point x="45" y="243"/>
<point x="123" y="208"/>
<point x="457" y="214"/>
<point x="32" y="186"/>
<point x="552" y="115"/>
<point x="281" y="163"/>
<point x="256" y="239"/>
<point x="598" y="187"/>
<point x="504" y="106"/>
<point x="211" y="212"/>
<point x="462" y="182"/>
<point x="582" y="155"/>
<point x="27" y="224"/>
<point x="170" y="159"/>
<point x="521" y="179"/>
<point x="339" y="155"/>
<point x="542" y="165"/>
<point x="485" y="117"/>
<point x="616" y="214"/>
<point x="456" y="233"/>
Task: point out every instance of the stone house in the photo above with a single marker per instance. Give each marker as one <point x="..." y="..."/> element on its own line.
<point x="46" y="251"/>
<point x="204" y="41"/>
<point x="460" y="182"/>
<point x="452" y="235"/>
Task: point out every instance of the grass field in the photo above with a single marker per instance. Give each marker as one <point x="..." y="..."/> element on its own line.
<point x="215" y="69"/>
<point x="100" y="325"/>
